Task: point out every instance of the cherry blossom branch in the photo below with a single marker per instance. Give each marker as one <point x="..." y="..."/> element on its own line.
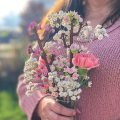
<point x="63" y="38"/>
<point x="71" y="42"/>
<point x="41" y="47"/>
<point x="76" y="34"/>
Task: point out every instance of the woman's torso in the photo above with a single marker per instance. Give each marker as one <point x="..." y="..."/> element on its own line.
<point x="102" y="100"/>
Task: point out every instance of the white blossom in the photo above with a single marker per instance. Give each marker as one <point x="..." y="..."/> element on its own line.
<point x="89" y="83"/>
<point x="70" y="93"/>
<point x="52" y="68"/>
<point x="79" y="91"/>
<point x="51" y="89"/>
<point x="100" y="37"/>
<point x="60" y="89"/>
<point x="73" y="98"/>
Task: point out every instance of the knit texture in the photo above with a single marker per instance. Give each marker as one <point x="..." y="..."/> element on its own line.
<point x="102" y="100"/>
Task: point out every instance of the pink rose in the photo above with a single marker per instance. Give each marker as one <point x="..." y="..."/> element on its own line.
<point x="87" y="61"/>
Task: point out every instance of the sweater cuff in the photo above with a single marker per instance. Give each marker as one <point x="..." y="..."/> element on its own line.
<point x="32" y="103"/>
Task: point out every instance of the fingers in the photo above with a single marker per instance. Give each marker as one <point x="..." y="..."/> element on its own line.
<point x="53" y="116"/>
<point x="58" y="108"/>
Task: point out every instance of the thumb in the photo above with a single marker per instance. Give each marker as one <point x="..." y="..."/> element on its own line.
<point x="78" y="111"/>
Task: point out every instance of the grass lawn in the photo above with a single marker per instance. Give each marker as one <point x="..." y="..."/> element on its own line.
<point x="9" y="107"/>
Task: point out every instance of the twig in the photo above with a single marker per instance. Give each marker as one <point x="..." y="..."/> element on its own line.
<point x="76" y="34"/>
<point x="40" y="46"/>
<point x="71" y="42"/>
<point x="65" y="45"/>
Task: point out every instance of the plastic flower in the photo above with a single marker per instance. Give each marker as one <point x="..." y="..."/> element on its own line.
<point x="87" y="61"/>
<point x="75" y="76"/>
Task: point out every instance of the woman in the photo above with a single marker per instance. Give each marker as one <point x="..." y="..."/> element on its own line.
<point x="102" y="100"/>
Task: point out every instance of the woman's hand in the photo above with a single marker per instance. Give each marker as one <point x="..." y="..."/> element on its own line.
<point x="49" y="109"/>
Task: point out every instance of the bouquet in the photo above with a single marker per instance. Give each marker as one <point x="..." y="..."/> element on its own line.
<point x="62" y="76"/>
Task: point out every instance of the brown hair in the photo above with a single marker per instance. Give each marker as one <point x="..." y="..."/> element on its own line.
<point x="77" y="5"/>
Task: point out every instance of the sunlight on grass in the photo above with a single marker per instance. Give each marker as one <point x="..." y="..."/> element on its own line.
<point x="9" y="108"/>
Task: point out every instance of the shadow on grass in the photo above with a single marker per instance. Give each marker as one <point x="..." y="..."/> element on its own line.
<point x="9" y="107"/>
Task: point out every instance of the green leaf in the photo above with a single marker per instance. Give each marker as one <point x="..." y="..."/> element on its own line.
<point x="82" y="85"/>
<point x="86" y="84"/>
<point x="37" y="26"/>
<point x="82" y="72"/>
<point x="81" y="78"/>
<point x="58" y="69"/>
<point x="75" y="22"/>
<point x="74" y="51"/>
<point x="46" y="51"/>
<point x="70" y="16"/>
<point x="32" y="31"/>
<point x="50" y="57"/>
<point x="67" y="74"/>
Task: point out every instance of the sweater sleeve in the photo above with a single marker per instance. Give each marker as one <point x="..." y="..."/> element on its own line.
<point x="28" y="104"/>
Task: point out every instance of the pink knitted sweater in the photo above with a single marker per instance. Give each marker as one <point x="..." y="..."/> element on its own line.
<point x="102" y="100"/>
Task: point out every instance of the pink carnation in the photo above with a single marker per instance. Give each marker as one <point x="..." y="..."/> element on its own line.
<point x="87" y="61"/>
